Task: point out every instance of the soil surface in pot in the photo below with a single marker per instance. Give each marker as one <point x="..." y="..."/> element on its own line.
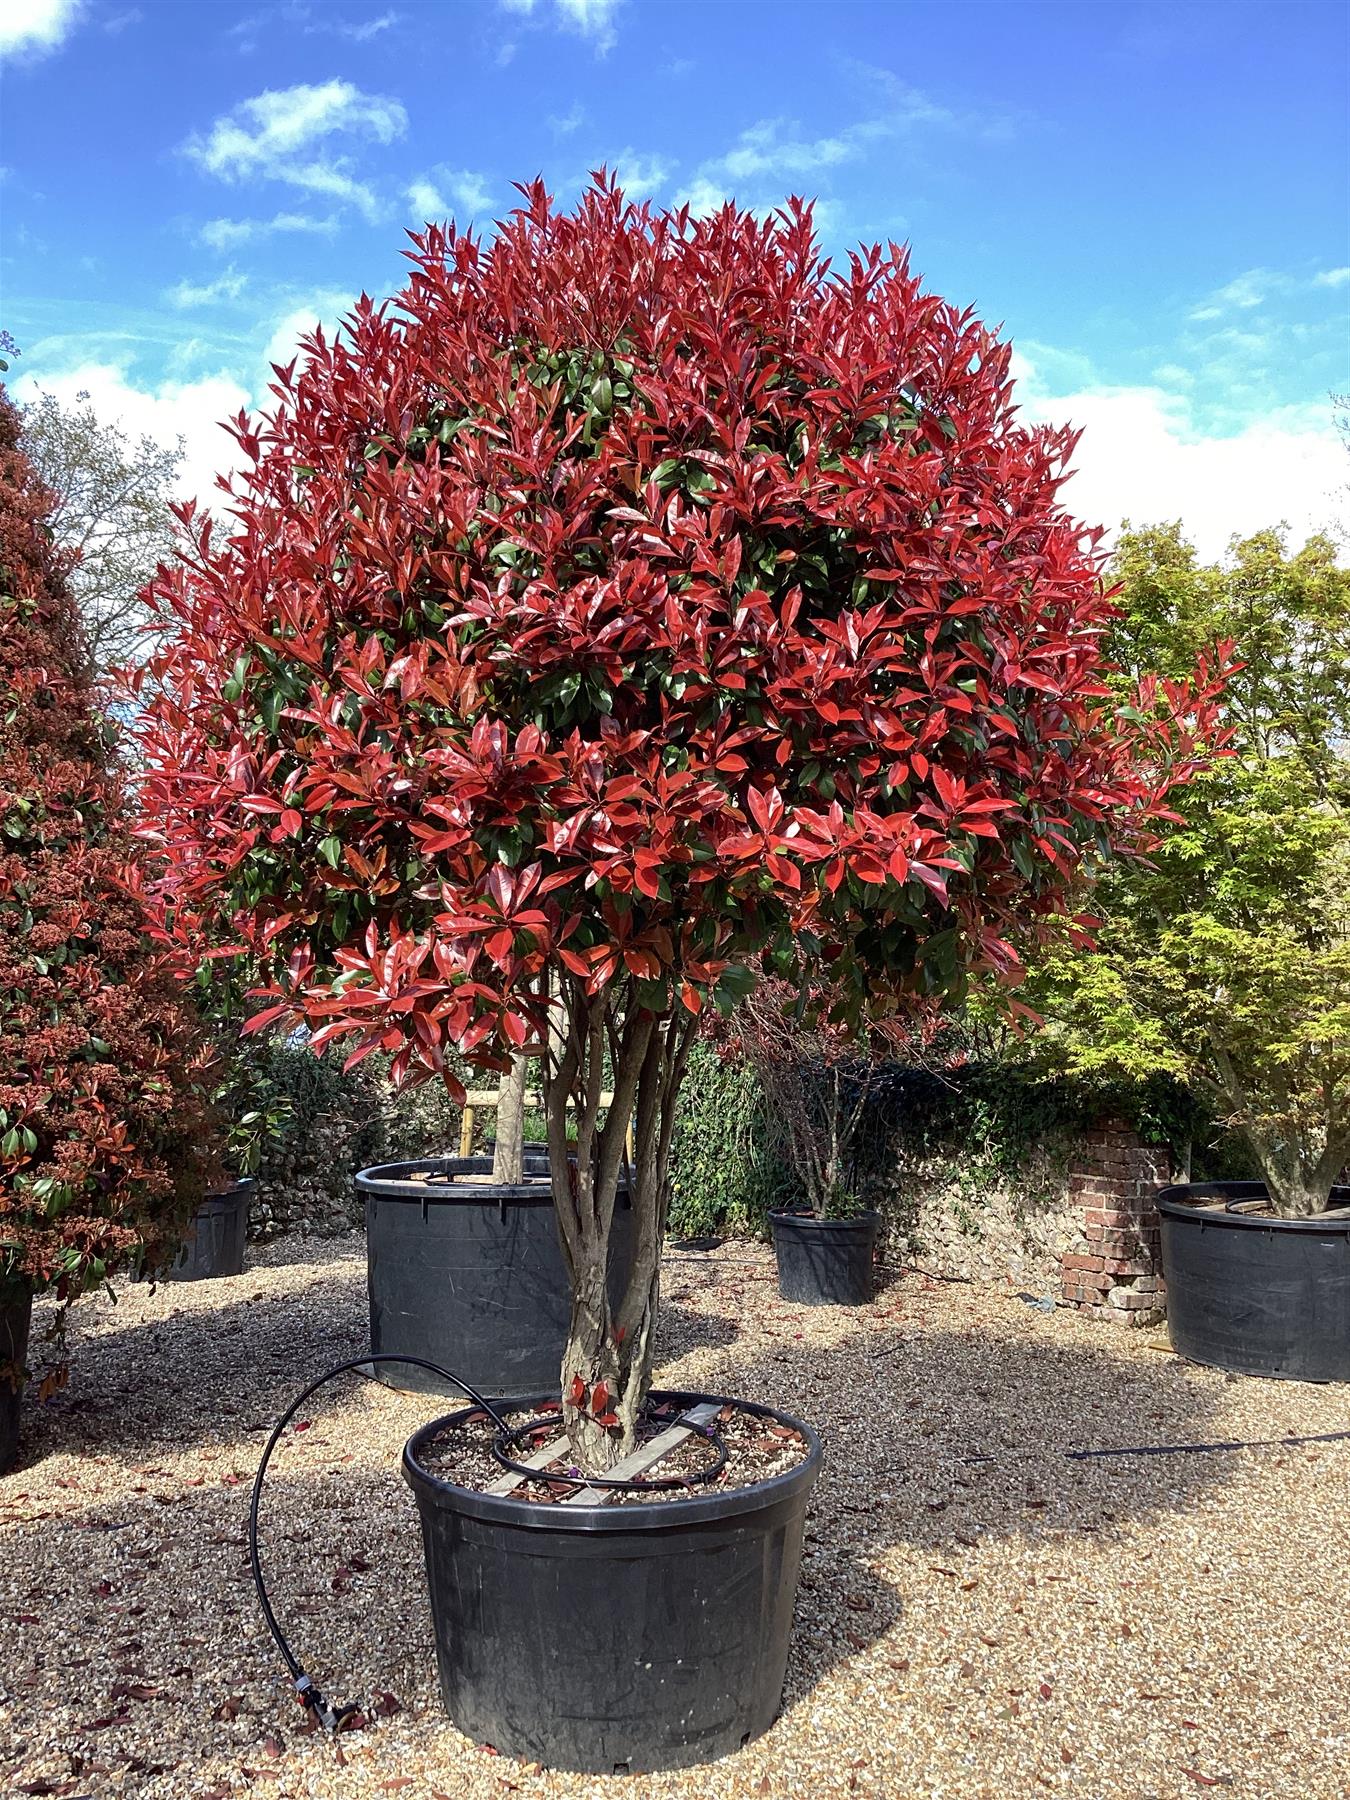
<point x="757" y="1449"/>
<point x="1257" y="1209"/>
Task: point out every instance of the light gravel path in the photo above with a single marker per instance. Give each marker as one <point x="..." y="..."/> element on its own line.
<point x="1133" y="1627"/>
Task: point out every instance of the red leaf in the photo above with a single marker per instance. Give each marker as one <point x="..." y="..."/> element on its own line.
<point x="264" y="1018"/>
<point x="567" y="657"/>
<point x="600" y="1398"/>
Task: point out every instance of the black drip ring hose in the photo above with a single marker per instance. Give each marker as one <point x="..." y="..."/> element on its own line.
<point x="549" y="1421"/>
<point x="333" y="1718"/>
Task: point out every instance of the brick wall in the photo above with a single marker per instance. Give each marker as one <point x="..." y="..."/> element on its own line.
<point x="1112" y="1269"/>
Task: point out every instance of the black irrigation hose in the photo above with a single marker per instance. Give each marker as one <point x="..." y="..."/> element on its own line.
<point x="333" y="1718"/>
<point x="1315" y="1437"/>
<point x="1284" y="1443"/>
<point x="309" y="1696"/>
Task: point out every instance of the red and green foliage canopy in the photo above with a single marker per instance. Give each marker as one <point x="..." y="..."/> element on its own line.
<point x="102" y="1136"/>
<point x="637" y="597"/>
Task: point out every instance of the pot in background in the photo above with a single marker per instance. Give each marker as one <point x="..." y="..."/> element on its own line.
<point x="470" y="1275"/>
<point x="1252" y="1293"/>
<point x="825" y="1262"/>
<point x="213" y="1245"/>
<point x="16" y="1308"/>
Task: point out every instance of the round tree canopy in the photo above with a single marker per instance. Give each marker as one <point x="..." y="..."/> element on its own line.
<point x="638" y="598"/>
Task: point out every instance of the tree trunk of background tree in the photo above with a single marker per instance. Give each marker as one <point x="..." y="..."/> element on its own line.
<point x="508" y="1156"/>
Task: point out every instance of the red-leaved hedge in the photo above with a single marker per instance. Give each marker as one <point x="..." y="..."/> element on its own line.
<point x="104" y="1145"/>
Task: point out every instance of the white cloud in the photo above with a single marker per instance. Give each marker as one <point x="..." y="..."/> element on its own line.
<point x="225" y="234"/>
<point x="773" y="152"/>
<point x="191" y="410"/>
<point x="762" y="150"/>
<point x="426" y="200"/>
<point x="276" y="136"/>
<point x="1241" y="293"/>
<point x="228" y="286"/>
<point x="1255" y="286"/>
<point x="564" y="124"/>
<point x="1142" y="458"/>
<point x="120" y="22"/>
<point x="703" y="197"/>
<point x="762" y="158"/>
<point x="467" y="191"/>
<point x="36" y="26"/>
<point x="591" y="18"/>
<point x="638" y="175"/>
<point x="364" y="30"/>
<point x="280" y="122"/>
<point x="326" y="308"/>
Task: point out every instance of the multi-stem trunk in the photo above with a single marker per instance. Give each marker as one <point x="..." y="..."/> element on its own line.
<point x="606" y="1370"/>
<point x="1299" y="1165"/>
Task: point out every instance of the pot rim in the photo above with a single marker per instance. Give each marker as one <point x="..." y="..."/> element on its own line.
<point x="868" y="1216"/>
<point x="242" y="1184"/>
<point x="1179" y="1201"/>
<point x="383" y="1181"/>
<point x="388" y="1181"/>
<point x="656" y="1516"/>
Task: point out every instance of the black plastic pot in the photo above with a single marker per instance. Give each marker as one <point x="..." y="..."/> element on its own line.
<point x="215" y="1240"/>
<point x="619" y="1638"/>
<point x="16" y="1307"/>
<point x="1257" y="1295"/>
<point x="534" y="1151"/>
<point x="471" y="1276"/>
<point x="825" y="1262"/>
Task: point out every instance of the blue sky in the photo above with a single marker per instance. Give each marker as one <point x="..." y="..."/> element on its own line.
<point x="1152" y="198"/>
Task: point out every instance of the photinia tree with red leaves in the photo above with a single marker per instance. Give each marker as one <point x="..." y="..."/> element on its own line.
<point x="634" y="604"/>
<point x="104" y="1144"/>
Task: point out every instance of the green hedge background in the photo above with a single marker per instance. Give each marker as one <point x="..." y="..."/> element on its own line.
<point x="980" y="1127"/>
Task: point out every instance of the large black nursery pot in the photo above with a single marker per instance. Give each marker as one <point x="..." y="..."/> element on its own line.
<point x="619" y="1638"/>
<point x="471" y="1276"/>
<point x="825" y="1262"/>
<point x="16" y="1307"/>
<point x="1256" y="1294"/>
<point x="534" y="1151"/>
<point x="214" y="1243"/>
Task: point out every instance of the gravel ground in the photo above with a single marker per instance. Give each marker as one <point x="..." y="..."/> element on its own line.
<point x="980" y="1614"/>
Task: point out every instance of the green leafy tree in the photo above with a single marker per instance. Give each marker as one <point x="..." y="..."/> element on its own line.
<point x="110" y="513"/>
<point x="1225" y="958"/>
